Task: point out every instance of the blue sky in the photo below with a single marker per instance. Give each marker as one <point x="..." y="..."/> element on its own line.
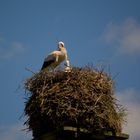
<point x="104" y="33"/>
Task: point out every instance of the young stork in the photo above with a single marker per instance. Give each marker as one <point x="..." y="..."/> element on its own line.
<point x="55" y="58"/>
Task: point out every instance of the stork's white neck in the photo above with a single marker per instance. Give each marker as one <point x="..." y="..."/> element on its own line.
<point x="63" y="50"/>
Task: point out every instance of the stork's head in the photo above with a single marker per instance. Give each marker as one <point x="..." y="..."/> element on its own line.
<point x="60" y="45"/>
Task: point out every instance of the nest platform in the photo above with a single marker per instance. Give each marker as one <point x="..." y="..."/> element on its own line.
<point x="83" y="99"/>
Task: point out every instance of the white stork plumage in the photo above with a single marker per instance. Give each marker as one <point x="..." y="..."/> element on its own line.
<point x="56" y="57"/>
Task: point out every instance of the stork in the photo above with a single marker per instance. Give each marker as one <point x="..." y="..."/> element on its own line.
<point x="56" y="57"/>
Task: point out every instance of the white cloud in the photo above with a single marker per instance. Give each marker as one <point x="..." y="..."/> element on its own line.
<point x="14" y="132"/>
<point x="12" y="50"/>
<point x="130" y="99"/>
<point x="125" y="36"/>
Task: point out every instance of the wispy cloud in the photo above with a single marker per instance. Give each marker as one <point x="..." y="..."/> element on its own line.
<point x="130" y="98"/>
<point x="125" y="36"/>
<point x="11" y="50"/>
<point x="14" y="132"/>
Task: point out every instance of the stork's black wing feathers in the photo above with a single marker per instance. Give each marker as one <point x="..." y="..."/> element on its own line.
<point x="47" y="63"/>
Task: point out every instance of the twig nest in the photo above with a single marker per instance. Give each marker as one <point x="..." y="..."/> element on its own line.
<point x="82" y="97"/>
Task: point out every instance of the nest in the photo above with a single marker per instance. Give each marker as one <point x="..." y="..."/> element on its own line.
<point x="83" y="98"/>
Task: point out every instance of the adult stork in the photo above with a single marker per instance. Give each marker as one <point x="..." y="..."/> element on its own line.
<point x="56" y="57"/>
